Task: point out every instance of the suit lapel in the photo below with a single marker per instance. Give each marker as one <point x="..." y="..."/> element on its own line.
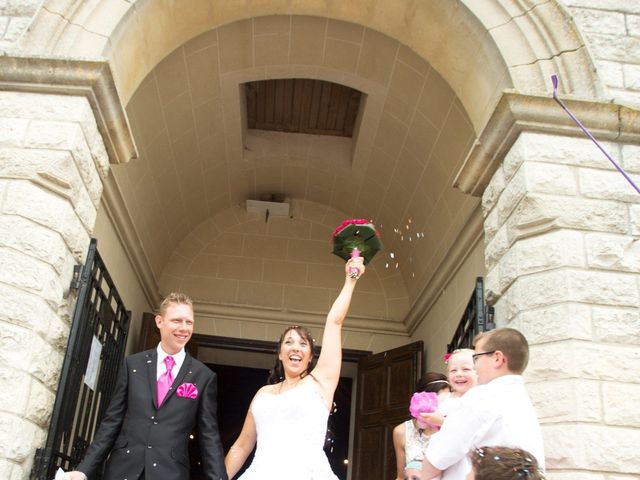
<point x="152" y="373"/>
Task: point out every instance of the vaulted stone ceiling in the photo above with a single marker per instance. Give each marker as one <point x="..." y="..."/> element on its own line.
<point x="199" y="163"/>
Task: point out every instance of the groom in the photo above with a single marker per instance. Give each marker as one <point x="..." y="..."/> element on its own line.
<point x="160" y="396"/>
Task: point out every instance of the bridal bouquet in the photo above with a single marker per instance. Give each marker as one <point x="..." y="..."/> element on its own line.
<point x="356" y="237"/>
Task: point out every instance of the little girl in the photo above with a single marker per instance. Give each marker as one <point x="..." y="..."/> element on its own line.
<point x="409" y="439"/>
<point x="502" y="463"/>
<point x="462" y="376"/>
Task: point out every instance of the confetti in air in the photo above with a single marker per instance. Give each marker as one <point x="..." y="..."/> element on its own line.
<point x="403" y="233"/>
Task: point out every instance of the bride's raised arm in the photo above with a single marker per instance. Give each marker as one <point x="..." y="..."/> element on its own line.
<point x="327" y="370"/>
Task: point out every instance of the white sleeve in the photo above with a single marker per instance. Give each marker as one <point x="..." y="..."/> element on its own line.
<point x="460" y="429"/>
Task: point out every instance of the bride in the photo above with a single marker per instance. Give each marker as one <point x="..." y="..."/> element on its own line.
<point x="288" y="417"/>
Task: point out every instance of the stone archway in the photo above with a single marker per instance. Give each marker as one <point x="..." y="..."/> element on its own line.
<point x="412" y="136"/>
<point x="512" y="47"/>
<point x="515" y="48"/>
<point x="498" y="45"/>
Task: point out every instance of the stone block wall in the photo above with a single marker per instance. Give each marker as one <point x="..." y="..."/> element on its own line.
<point x="563" y="256"/>
<point x="611" y="29"/>
<point x="15" y="18"/>
<point x="52" y="162"/>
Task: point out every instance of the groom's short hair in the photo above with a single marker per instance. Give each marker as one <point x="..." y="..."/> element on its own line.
<point x="174" y="297"/>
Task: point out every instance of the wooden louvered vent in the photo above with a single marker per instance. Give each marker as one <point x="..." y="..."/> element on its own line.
<point x="299" y="105"/>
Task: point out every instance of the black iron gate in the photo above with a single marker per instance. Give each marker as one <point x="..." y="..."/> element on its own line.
<point x="94" y="354"/>
<point x="477" y="318"/>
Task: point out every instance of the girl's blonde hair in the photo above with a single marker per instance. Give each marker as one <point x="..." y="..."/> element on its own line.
<point x="457" y="352"/>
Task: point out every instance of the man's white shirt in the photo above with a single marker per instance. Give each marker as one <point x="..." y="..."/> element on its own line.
<point x="499" y="413"/>
<point x="162" y="367"/>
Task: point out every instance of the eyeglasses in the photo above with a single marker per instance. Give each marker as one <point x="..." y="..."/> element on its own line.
<point x="476" y="355"/>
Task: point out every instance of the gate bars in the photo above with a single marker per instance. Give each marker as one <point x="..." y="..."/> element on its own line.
<point x="99" y="316"/>
<point x="477" y="317"/>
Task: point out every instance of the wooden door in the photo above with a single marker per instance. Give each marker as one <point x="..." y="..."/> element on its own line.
<point x="386" y="382"/>
<point x="149" y="333"/>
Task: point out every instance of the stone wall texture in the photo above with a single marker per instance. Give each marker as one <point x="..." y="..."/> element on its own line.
<point x="611" y="29"/>
<point x="15" y="18"/>
<point x="52" y="161"/>
<point x="563" y="257"/>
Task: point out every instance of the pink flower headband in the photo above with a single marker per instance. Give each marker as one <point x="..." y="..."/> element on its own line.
<point x="446" y="357"/>
<point x="438" y="381"/>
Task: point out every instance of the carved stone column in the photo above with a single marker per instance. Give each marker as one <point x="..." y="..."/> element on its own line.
<point x="562" y="232"/>
<point x="61" y="125"/>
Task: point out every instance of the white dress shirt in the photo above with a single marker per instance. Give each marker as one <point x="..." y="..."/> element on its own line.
<point x="499" y="413"/>
<point x="161" y="367"/>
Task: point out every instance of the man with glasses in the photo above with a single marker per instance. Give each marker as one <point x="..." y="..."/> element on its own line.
<point x="498" y="412"/>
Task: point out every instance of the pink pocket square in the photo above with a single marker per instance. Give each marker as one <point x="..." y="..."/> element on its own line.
<point x="188" y="390"/>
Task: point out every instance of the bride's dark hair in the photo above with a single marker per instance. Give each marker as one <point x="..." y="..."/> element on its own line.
<point x="276" y="374"/>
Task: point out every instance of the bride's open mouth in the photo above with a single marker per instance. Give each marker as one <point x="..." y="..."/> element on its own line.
<point x="295" y="359"/>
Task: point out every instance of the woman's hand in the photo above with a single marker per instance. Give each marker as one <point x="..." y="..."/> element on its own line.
<point x="355" y="263"/>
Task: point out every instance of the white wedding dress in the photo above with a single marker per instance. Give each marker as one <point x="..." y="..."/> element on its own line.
<point x="291" y="430"/>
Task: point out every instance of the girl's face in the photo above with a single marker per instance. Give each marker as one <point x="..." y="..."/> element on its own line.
<point x="295" y="353"/>
<point x="462" y="375"/>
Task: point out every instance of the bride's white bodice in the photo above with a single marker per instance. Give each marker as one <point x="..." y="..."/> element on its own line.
<point x="291" y="429"/>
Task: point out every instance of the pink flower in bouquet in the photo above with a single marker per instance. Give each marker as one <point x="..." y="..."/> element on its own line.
<point x="357" y="237"/>
<point x="353" y="221"/>
<point x="188" y="390"/>
<point x="423" y="402"/>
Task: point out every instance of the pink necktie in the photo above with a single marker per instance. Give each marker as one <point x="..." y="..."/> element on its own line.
<point x="166" y="379"/>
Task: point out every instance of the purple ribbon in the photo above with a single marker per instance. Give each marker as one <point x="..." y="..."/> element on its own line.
<point x="554" y="79"/>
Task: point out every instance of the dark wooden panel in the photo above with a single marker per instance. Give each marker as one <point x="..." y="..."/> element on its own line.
<point x="401" y="375"/>
<point x="367" y="457"/>
<point x="299" y="105"/>
<point x="351" y="113"/>
<point x="372" y="384"/>
<point x="149" y="333"/>
<point x="270" y="103"/>
<point x="385" y="383"/>
<point x="389" y="452"/>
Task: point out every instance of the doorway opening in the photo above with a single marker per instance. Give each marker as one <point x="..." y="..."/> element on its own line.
<point x="242" y="367"/>
<point x="236" y="387"/>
